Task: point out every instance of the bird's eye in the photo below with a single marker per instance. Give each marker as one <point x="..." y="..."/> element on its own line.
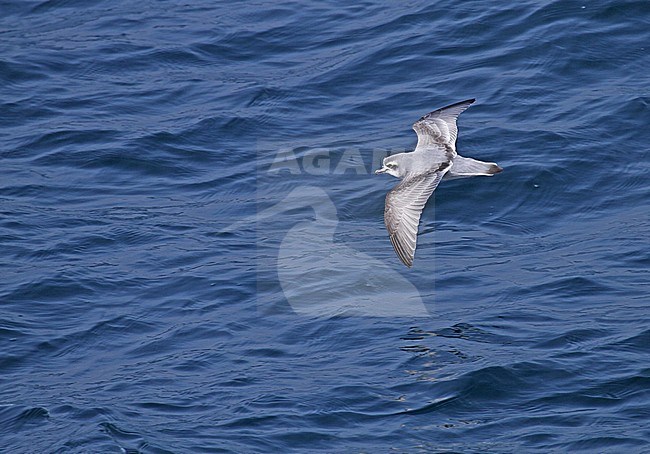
<point x="392" y="165"/>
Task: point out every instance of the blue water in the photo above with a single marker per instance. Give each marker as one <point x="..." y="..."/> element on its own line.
<point x="193" y="253"/>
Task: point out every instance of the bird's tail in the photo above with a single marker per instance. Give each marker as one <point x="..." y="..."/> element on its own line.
<point x="468" y="167"/>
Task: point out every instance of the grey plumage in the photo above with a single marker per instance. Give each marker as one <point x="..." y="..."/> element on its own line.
<point x="421" y="170"/>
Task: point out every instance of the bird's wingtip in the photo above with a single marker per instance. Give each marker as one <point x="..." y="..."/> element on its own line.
<point x="494" y="169"/>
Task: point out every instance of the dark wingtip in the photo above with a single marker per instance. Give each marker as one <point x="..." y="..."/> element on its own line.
<point x="460" y="103"/>
<point x="401" y="253"/>
<point x="494" y="169"/>
<point x="467" y="103"/>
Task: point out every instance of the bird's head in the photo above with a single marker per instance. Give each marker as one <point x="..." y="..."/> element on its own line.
<point x="392" y="166"/>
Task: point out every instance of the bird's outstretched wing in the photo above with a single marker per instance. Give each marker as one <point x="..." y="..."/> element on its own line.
<point x="439" y="127"/>
<point x="404" y="205"/>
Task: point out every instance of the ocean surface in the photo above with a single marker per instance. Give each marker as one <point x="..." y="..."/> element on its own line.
<point x="193" y="257"/>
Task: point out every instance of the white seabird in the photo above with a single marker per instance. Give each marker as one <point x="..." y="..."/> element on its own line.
<point x="421" y="170"/>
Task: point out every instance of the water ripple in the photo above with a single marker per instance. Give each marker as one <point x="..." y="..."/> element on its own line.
<point x="144" y="307"/>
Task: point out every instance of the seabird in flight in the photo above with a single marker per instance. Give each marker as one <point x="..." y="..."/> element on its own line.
<point x="421" y="170"/>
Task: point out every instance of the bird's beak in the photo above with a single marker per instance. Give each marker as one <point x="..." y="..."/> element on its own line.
<point x="382" y="170"/>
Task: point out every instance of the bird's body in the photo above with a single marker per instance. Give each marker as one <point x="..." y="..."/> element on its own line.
<point x="421" y="170"/>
